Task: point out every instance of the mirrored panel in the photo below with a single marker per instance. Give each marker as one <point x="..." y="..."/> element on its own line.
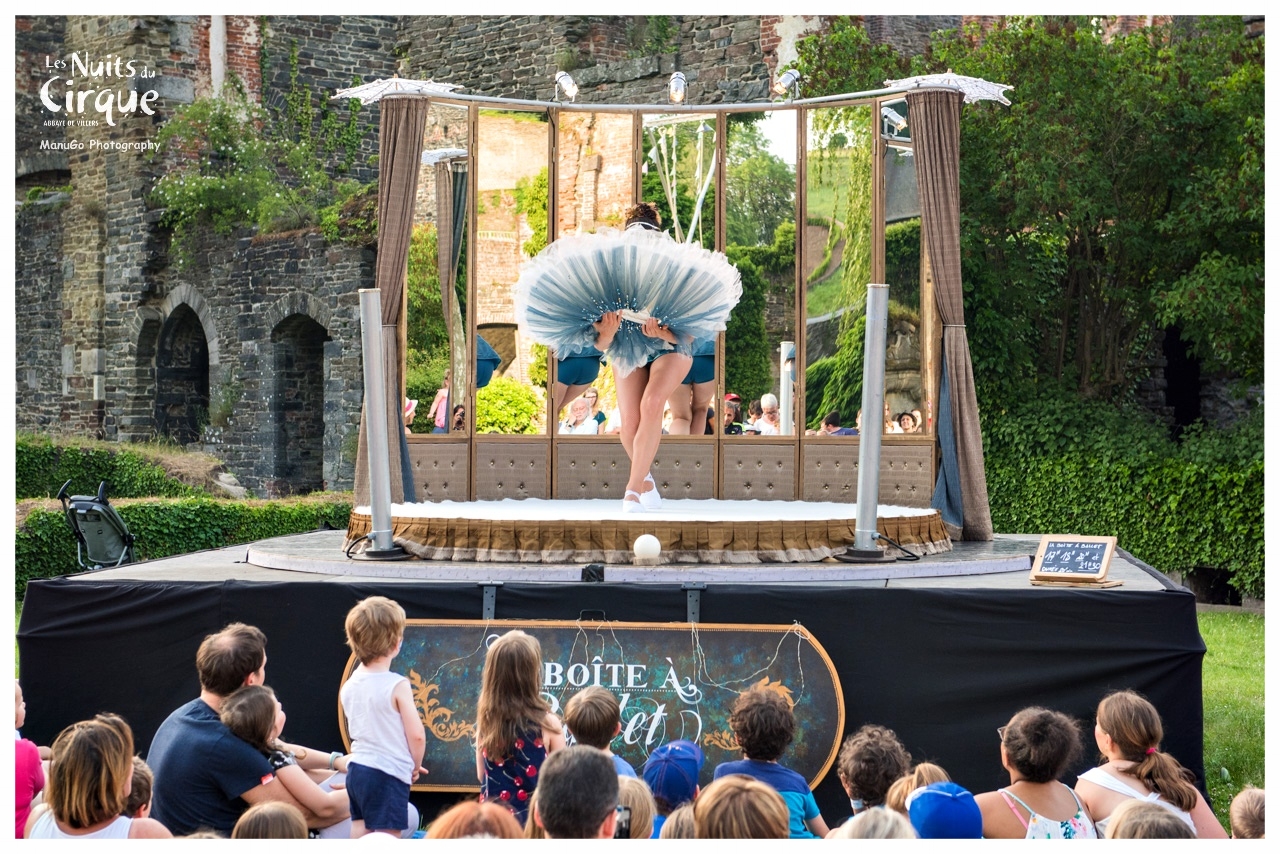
<point x="511" y="225"/>
<point x="760" y="238"/>
<point x="436" y="322"/>
<point x="836" y="267"/>
<point x="907" y="351"/>
<point x="594" y="187"/>
<point x="678" y="158"/>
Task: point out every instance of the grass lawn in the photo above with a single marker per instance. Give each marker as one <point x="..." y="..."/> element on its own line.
<point x="1234" y="708"/>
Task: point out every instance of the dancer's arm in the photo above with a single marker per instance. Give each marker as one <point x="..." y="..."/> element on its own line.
<point x="606" y="328"/>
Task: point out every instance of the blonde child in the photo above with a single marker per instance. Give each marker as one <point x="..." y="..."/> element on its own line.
<point x="388" y="740"/>
<point x="515" y="729"/>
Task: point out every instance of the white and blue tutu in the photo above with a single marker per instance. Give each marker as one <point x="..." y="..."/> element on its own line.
<point x="639" y="273"/>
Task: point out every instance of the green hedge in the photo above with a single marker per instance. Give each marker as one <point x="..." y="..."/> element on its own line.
<point x="41" y="467"/>
<point x="164" y="527"/>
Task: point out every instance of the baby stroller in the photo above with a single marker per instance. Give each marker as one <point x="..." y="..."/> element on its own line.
<point x="102" y="538"/>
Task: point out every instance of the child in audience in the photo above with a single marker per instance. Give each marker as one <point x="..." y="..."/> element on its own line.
<point x="763" y="724"/>
<point x="634" y="794"/>
<point x="388" y="739"/>
<point x="271" y="820"/>
<point x="1248" y="814"/>
<point x="593" y="716"/>
<point x="921" y="775"/>
<point x="29" y="771"/>
<point x="1135" y="818"/>
<point x="139" y="803"/>
<point x="515" y="729"/>
<point x="679" y="824"/>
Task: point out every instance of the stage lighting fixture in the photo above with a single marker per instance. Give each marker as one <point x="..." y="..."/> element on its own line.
<point x="565" y="84"/>
<point x="676" y="88"/>
<point x="788" y="83"/>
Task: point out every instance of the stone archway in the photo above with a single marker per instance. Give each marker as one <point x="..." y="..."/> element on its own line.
<point x="181" y="377"/>
<point x="297" y="405"/>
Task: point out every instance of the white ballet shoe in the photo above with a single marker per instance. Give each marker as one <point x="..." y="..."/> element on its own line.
<point x="651" y="499"/>
<point x="632" y="506"/>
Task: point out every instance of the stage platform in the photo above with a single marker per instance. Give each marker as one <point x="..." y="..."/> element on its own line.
<point x="943" y="649"/>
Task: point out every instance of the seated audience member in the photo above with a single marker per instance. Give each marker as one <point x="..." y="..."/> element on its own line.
<point x="635" y="796"/>
<point x="1248" y="814"/>
<point x="831" y="426"/>
<point x="410" y="413"/>
<point x="28" y="768"/>
<point x="732" y="417"/>
<point x="1128" y="733"/>
<point x="531" y="828"/>
<point x="472" y="820"/>
<point x="740" y="807"/>
<point x="205" y="776"/>
<point x="754" y="415"/>
<point x="875" y="824"/>
<point x="891" y="424"/>
<point x="580" y="421"/>
<point x="870" y="761"/>
<point x="944" y="811"/>
<point x="671" y="772"/>
<point x="678" y="825"/>
<point x="592" y="396"/>
<point x="768" y="424"/>
<point x="919" y="420"/>
<point x="1139" y="819"/>
<point x="270" y="820"/>
<point x="1037" y="747"/>
<point x="577" y="795"/>
<point x="139" y="803"/>
<point x="921" y="775"/>
<point x="907" y="422"/>
<point x="593" y="716"/>
<point x="763" y="724"/>
<point x="90" y="773"/>
<point x="459" y="421"/>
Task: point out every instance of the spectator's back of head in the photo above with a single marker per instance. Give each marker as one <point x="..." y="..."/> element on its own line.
<point x="919" y="776"/>
<point x="139" y="803"/>
<point x="577" y="794"/>
<point x="944" y="811"/>
<point x="1248" y="814"/>
<point x="472" y="820"/>
<point x="250" y="713"/>
<point x="1139" y="819"/>
<point x="671" y="772"/>
<point x="832" y="420"/>
<point x="374" y="627"/>
<point x="90" y="767"/>
<point x="271" y="820"/>
<point x="740" y="807"/>
<point x="876" y="824"/>
<point x="870" y="760"/>
<point x="763" y="723"/>
<point x="1041" y="744"/>
<point x="634" y="794"/>
<point x="679" y="825"/>
<point x="229" y="657"/>
<point x="593" y="716"/>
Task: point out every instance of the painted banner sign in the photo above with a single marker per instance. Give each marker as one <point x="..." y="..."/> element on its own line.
<point x="674" y="681"/>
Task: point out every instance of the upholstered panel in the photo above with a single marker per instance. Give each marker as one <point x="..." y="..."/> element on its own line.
<point x="439" y="470"/>
<point x="593" y="469"/>
<point x="831" y="472"/>
<point x="756" y="468"/>
<point x="511" y="469"/>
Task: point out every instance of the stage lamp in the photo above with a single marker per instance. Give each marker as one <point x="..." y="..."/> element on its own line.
<point x="894" y="119"/>
<point x="565" y="84"/>
<point x="676" y="88"/>
<point x="788" y="83"/>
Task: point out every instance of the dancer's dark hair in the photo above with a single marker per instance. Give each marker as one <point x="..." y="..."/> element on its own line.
<point x="645" y="213"/>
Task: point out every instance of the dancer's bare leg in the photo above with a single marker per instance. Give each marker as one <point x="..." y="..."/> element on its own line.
<point x="702" y="395"/>
<point x="630" y="390"/>
<point x="665" y="373"/>
<point x="681" y="411"/>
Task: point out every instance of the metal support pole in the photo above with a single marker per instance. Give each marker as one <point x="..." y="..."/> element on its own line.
<point x="873" y="352"/>
<point x="786" y="387"/>
<point x="375" y="419"/>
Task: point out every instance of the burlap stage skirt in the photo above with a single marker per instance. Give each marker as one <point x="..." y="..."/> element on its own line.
<point x="712" y="532"/>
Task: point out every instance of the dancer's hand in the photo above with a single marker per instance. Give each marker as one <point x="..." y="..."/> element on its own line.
<point x="606" y="328"/>
<point x="654" y="329"/>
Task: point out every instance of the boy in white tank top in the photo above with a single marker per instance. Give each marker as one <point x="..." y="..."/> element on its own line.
<point x="388" y="739"/>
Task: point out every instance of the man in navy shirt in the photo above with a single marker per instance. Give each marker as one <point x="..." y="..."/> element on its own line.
<point x="205" y="776"/>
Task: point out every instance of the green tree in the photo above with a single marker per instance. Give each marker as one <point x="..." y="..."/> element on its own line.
<point x="759" y="187"/>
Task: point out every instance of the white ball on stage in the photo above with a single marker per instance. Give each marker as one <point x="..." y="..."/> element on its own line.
<point x="647" y="546"/>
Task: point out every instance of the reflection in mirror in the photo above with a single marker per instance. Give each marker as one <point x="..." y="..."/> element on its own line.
<point x="595" y="180"/>
<point x="511" y="226"/>
<point x="760" y="239"/>
<point x="678" y="165"/>
<point x="435" y="329"/>
<point x="836" y="267"/>
<point x="904" y="388"/>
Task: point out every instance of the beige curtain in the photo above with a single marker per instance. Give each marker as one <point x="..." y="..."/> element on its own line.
<point x="935" y="120"/>
<point x="402" y="123"/>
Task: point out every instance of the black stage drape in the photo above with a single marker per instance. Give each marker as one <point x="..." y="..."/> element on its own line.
<point x="943" y="668"/>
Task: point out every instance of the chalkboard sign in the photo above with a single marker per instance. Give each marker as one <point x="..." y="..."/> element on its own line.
<point x="1070" y="557"/>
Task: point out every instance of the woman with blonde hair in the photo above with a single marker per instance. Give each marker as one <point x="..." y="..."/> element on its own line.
<point x="634" y="794"/>
<point x="90" y="777"/>
<point x="921" y="775"/>
<point x="474" y="820"/>
<point x="271" y="820"/>
<point x="1128" y="733"/>
<point x="875" y="824"/>
<point x="740" y="807"/>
